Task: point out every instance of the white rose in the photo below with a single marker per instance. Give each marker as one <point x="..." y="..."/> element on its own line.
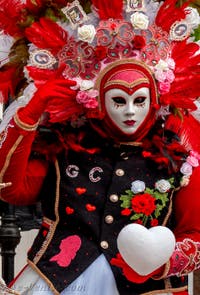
<point x="184" y="181"/>
<point x="86" y="84"/>
<point x="86" y="33"/>
<point x="6" y="43"/>
<point x="186" y="169"/>
<point x="162" y="65"/>
<point x="192" y="17"/>
<point x="137" y="186"/>
<point x="139" y="20"/>
<point x="162" y="185"/>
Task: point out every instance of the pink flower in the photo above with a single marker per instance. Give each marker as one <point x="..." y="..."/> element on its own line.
<point x="93" y="93"/>
<point x="195" y="154"/>
<point x="87" y="98"/>
<point x="171" y="63"/>
<point x="92" y="103"/>
<point x="164" y="87"/>
<point x="193" y="161"/>
<point x="170" y="76"/>
<point x="82" y="97"/>
<point x="160" y="75"/>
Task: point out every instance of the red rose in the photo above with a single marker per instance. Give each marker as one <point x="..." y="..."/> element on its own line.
<point x="100" y="52"/>
<point x="138" y="42"/>
<point x="144" y="203"/>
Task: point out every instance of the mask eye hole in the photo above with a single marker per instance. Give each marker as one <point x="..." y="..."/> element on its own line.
<point x="140" y="101"/>
<point x="118" y="100"/>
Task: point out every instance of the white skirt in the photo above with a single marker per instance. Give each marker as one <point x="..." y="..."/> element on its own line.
<point x="97" y="279"/>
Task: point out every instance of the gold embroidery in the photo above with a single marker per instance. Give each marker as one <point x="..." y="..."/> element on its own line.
<point x="8" y="157"/>
<point x="171" y="290"/>
<point x="23" y="125"/>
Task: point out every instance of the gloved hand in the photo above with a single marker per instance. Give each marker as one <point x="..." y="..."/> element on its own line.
<point x="53" y="95"/>
<point x="145" y="250"/>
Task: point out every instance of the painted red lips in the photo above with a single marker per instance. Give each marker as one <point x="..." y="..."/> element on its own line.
<point x="129" y="122"/>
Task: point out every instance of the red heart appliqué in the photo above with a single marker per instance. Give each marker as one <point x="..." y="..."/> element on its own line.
<point x="90" y="207"/>
<point x="69" y="210"/>
<point x="80" y="190"/>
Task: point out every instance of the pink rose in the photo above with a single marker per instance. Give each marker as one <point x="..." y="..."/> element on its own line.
<point x="164" y="87"/>
<point x="93" y="93"/>
<point x="195" y="154"/>
<point x="160" y="75"/>
<point x="171" y="63"/>
<point x="170" y="76"/>
<point x="92" y="103"/>
<point x="82" y="97"/>
<point x="192" y="161"/>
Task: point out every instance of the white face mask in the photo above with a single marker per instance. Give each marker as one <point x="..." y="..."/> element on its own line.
<point x="127" y="111"/>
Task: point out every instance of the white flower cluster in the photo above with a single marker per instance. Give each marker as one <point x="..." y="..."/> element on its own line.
<point x="163" y="186"/>
<point x="139" y="20"/>
<point x="86" y="33"/>
<point x="138" y="186"/>
<point x="187" y="167"/>
<point x="192" y="17"/>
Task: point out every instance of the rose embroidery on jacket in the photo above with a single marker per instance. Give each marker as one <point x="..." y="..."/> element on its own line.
<point x="143" y="204"/>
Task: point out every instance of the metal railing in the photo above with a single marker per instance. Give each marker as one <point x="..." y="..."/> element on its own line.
<point x="9" y="239"/>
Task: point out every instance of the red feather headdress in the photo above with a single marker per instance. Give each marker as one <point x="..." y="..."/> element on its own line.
<point x="84" y="37"/>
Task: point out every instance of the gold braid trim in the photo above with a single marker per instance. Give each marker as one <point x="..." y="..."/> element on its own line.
<point x="8" y="158"/>
<point x="49" y="283"/>
<point x="164" y="274"/>
<point x="169" y="209"/>
<point x="171" y="290"/>
<point x="23" y="125"/>
<point x="126" y="84"/>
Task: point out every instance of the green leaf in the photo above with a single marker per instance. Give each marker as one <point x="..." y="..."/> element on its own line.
<point x="196" y="34"/>
<point x="161" y="196"/>
<point x="129" y="193"/>
<point x="136" y="216"/>
<point x="158" y="210"/>
<point x="126" y="201"/>
<point x="149" y="191"/>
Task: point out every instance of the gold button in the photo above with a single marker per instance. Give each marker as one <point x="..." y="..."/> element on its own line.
<point x="104" y="244"/>
<point x="109" y="219"/>
<point x="119" y="172"/>
<point x="114" y="198"/>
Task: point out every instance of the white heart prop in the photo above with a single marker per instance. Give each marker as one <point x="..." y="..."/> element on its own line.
<point x="145" y="250"/>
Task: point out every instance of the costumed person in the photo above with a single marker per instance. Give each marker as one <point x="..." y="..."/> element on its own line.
<point x="106" y="139"/>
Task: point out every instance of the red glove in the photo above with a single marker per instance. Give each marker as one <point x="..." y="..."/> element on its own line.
<point x="130" y="274"/>
<point x="53" y="95"/>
